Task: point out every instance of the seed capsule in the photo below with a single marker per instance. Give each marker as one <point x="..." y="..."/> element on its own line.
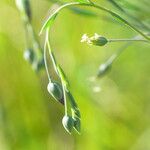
<point x="29" y="55"/>
<point x="103" y="69"/>
<point x="97" y="40"/>
<point x="68" y="123"/>
<point x="56" y="91"/>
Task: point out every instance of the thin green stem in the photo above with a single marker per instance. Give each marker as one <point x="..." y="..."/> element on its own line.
<point x="51" y="53"/>
<point x="55" y="67"/>
<point x="114" y="56"/>
<point x="45" y="60"/>
<point x="65" y="99"/>
<point x="117" y="53"/>
<point x="120" y="18"/>
<point x="127" y="40"/>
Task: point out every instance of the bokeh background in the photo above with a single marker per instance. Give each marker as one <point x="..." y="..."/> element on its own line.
<point x="115" y="118"/>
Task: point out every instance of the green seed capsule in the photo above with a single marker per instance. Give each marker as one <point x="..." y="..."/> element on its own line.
<point x="98" y="40"/>
<point x="29" y="55"/>
<point x="103" y="69"/>
<point x="68" y="123"/>
<point x="56" y="91"/>
<point x="77" y="124"/>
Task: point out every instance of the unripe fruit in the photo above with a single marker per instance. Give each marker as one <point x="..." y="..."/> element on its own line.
<point x="68" y="123"/>
<point x="56" y="91"/>
<point x="99" y="41"/>
<point x="29" y="55"/>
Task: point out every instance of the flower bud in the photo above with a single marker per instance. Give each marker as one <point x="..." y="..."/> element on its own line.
<point x="55" y="89"/>
<point x="68" y="123"/>
<point x="94" y="40"/>
<point x="29" y="55"/>
<point x="103" y="69"/>
<point x="98" y="40"/>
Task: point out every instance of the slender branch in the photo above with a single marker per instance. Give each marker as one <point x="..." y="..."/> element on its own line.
<point x="45" y="59"/>
<point x="127" y="40"/>
<point x="65" y="99"/>
<point x="114" y="56"/>
<point x="55" y="67"/>
<point x="120" y="18"/>
<point x="52" y="55"/>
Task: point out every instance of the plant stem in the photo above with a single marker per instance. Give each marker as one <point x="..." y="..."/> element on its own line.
<point x="45" y="60"/>
<point x="120" y="18"/>
<point x="114" y="56"/>
<point x="127" y="40"/>
<point x="55" y="67"/>
<point x="51" y="54"/>
<point x="65" y="99"/>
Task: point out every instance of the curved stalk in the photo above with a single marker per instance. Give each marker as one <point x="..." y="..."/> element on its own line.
<point x="92" y="4"/>
<point x="55" y="67"/>
<point x="52" y="55"/>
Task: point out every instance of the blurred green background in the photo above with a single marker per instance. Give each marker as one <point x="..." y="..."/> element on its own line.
<point x="115" y="118"/>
